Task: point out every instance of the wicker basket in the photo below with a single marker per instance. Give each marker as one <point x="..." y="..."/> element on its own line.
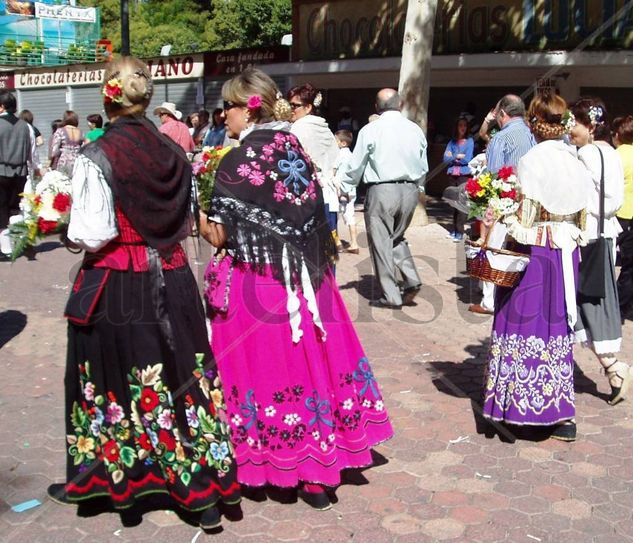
<point x="479" y="267"/>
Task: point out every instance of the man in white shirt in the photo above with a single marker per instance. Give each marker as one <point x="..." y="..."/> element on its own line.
<point x="390" y="156"/>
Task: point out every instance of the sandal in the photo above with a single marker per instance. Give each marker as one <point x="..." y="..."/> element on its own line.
<point x="566" y="431"/>
<point x="623" y="373"/>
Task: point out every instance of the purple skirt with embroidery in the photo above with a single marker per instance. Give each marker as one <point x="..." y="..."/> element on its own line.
<point x="298" y="411"/>
<point x="530" y="375"/>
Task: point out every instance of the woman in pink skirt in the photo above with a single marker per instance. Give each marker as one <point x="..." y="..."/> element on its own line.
<point x="303" y="402"/>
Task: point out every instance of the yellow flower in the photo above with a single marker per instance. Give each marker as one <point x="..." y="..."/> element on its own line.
<point x="481" y="193"/>
<point x="216" y="396"/>
<point x="85" y="444"/>
<point x="510" y="387"/>
<point x="548" y="389"/>
<point x="545" y="356"/>
<point x="490" y="384"/>
<point x="180" y="453"/>
<point x="485" y="180"/>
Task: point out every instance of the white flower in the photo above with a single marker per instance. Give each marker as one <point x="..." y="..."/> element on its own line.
<point x="366" y="403"/>
<point x="379" y="406"/>
<point x="316" y="435"/>
<point x="270" y="411"/>
<point x="323" y="446"/>
<point x="250" y="153"/>
<point x="95" y="428"/>
<point x="164" y="420"/>
<point x="348" y="404"/>
<point x="250" y="440"/>
<point x="273" y="175"/>
<point x="236" y="420"/>
<point x="331" y="438"/>
<point x="291" y="419"/>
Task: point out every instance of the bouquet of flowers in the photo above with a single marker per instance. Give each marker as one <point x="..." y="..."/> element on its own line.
<point x="496" y="193"/>
<point x="45" y="211"/>
<point x="204" y="169"/>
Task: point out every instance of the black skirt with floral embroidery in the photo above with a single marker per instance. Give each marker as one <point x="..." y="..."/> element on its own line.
<point x="145" y="414"/>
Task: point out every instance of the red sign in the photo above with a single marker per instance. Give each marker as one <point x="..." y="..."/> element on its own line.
<point x="7" y="80"/>
<point x="235" y="61"/>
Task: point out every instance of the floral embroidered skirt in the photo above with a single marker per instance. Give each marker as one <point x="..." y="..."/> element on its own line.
<point x="298" y="411"/>
<point x="530" y="374"/>
<point x="141" y="418"/>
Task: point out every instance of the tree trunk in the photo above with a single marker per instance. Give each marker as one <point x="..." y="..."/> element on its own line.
<point x="415" y="70"/>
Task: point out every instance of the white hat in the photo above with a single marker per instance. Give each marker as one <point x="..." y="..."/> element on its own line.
<point x="170" y="109"/>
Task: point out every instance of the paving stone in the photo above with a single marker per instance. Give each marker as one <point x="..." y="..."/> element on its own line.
<point x="402" y="524"/>
<point x="467" y="514"/>
<point x="572" y="508"/>
<point x="443" y="529"/>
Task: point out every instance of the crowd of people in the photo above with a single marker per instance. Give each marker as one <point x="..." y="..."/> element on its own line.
<point x="168" y="395"/>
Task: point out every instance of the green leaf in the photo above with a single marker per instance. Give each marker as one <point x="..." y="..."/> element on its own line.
<point x="185" y="477"/>
<point x="136" y="392"/>
<point x="195" y="467"/>
<point x="128" y="456"/>
<point x="99" y="400"/>
<point x="170" y="457"/>
<point x="77" y="460"/>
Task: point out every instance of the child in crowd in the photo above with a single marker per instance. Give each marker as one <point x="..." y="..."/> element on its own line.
<point x="347" y="198"/>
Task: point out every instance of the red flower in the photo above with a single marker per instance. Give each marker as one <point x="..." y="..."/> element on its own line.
<point x="145" y="442"/>
<point x="149" y="399"/>
<point x="505" y="172"/>
<point x="61" y="202"/>
<point x="111" y="451"/>
<point x="46" y="227"/>
<point x="167" y="439"/>
<point x="472" y="186"/>
<point x="509" y="194"/>
<point x="38" y="200"/>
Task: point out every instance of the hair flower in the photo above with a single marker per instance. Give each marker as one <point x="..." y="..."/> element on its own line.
<point x="254" y="102"/>
<point x="568" y="121"/>
<point x="317" y="99"/>
<point x="113" y="91"/>
<point x="595" y="115"/>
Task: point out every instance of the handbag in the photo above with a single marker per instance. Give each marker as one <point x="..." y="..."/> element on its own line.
<point x="594" y="255"/>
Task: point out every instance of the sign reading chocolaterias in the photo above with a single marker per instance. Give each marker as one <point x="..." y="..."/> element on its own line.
<point x="374" y="28"/>
<point x="161" y="68"/>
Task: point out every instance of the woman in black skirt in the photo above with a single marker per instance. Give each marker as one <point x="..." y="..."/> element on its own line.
<point x="145" y="412"/>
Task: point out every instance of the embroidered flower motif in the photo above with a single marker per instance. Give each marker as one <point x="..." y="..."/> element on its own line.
<point x="316" y="435"/>
<point x="243" y="170"/>
<point x="348" y="404"/>
<point x="114" y="413"/>
<point x="151" y="375"/>
<point x="273" y="175"/>
<point x="291" y="419"/>
<point x="165" y="419"/>
<point x="323" y="445"/>
<point x="236" y="420"/>
<point x="111" y="451"/>
<point x="250" y="441"/>
<point x="379" y="405"/>
<point x="219" y="451"/>
<point x="331" y="438"/>
<point x="250" y="153"/>
<point x="167" y="439"/>
<point x="95" y="428"/>
<point x="270" y="411"/>
<point x="256" y="178"/>
<point x="85" y="444"/>
<point x="254" y="102"/>
<point x="89" y="391"/>
<point x="366" y="403"/>
<point x="149" y="399"/>
<point x="145" y="442"/>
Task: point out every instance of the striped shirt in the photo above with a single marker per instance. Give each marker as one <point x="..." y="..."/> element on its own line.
<point x="508" y="145"/>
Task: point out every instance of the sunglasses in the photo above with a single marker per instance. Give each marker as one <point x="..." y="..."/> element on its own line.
<point x="294" y="105"/>
<point x="229" y="105"/>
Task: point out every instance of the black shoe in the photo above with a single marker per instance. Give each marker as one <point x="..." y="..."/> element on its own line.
<point x="210" y="518"/>
<point x="317" y="500"/>
<point x="565" y="431"/>
<point x="5" y="257"/>
<point x="57" y="493"/>
<point x="409" y="294"/>
<point x="384" y="304"/>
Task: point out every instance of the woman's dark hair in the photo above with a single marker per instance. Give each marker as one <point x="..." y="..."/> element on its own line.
<point x="217" y="111"/>
<point x="306" y="93"/>
<point x="70" y="118"/>
<point x="95" y="119"/>
<point x="581" y="110"/>
<point x="623" y="128"/>
<point x="26" y="116"/>
<point x="455" y="131"/>
<point x="203" y="115"/>
<point x="56" y="125"/>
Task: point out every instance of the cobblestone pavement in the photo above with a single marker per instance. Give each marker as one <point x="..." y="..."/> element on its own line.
<point x="440" y="479"/>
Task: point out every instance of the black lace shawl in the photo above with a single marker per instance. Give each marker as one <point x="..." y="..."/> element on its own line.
<point x="150" y="178"/>
<point x="267" y="195"/>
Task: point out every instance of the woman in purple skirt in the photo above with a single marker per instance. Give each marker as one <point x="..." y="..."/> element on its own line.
<point x="530" y="375"/>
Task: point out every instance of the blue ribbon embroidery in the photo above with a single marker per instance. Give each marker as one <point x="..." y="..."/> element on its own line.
<point x="249" y="409"/>
<point x="364" y="375"/>
<point x="295" y="167"/>
<point x="320" y="408"/>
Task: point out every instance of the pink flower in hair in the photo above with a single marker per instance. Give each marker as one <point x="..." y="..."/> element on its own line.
<point x="254" y="102"/>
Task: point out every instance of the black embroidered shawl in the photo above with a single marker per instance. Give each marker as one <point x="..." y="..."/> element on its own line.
<point x="267" y="195"/>
<point x="150" y="178"/>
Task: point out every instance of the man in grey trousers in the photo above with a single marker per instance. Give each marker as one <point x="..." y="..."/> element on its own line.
<point x="390" y="156"/>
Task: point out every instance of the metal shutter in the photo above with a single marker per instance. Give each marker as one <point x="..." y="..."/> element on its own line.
<point x="46" y="106"/>
<point x="86" y="101"/>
